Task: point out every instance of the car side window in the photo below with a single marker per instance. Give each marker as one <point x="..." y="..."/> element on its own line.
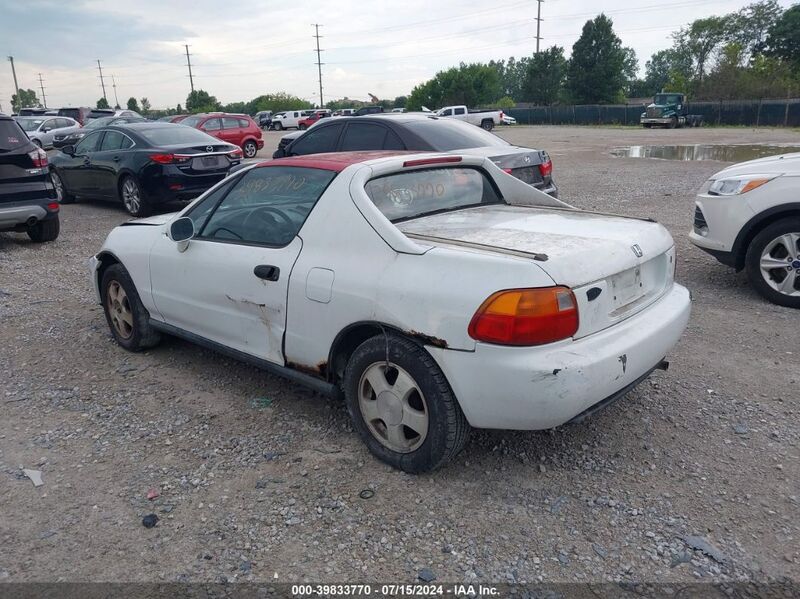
<point x="48" y="125"/>
<point x="230" y="123"/>
<point x="90" y="143"/>
<point x="200" y="211"/>
<point x="459" y="111"/>
<point x="363" y="136"/>
<point x="126" y="143"/>
<point x="267" y="206"/>
<point x="111" y="141"/>
<point x="448" y="112"/>
<point x="243" y="123"/>
<point x="318" y="140"/>
<point x="211" y="125"/>
<point x="393" y="142"/>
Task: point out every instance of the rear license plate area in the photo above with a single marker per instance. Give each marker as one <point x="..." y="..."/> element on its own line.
<point x="208" y="163"/>
<point x="626" y="287"/>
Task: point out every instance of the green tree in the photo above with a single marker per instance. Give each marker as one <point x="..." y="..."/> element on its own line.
<point x="201" y="101"/>
<point x="750" y="26"/>
<point x="133" y="104"/>
<point x="400" y="101"/>
<point x="701" y="39"/>
<point x="179" y="109"/>
<point x="666" y="67"/>
<point x="276" y="102"/>
<point x="103" y="103"/>
<point x="541" y="76"/>
<point x="471" y="84"/>
<point x="783" y="40"/>
<point x="596" y="72"/>
<point x="27" y="99"/>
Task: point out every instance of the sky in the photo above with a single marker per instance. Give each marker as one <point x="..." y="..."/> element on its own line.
<point x="243" y="49"/>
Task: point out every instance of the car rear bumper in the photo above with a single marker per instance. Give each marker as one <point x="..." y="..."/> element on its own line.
<point x="26" y="213"/>
<point x="530" y="388"/>
<point x="175" y="185"/>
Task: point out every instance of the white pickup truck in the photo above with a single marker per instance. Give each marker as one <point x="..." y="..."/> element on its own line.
<point x="485" y="119"/>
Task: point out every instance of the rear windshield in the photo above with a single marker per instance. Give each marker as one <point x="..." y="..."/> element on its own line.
<point x="30" y="123"/>
<point x="178" y="134"/>
<point x="447" y="135"/>
<point x="191" y="121"/>
<point x="11" y="137"/>
<point x="412" y="194"/>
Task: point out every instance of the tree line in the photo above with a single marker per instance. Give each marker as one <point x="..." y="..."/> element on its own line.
<point x="751" y="53"/>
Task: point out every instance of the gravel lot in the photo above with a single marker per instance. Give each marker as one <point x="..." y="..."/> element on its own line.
<point x="259" y="479"/>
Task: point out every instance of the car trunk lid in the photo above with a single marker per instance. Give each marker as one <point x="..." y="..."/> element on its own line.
<point x="615" y="265"/>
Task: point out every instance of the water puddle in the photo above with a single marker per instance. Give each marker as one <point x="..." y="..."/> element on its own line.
<point x="726" y="153"/>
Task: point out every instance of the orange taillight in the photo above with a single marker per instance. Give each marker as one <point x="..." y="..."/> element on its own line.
<point x="526" y="317"/>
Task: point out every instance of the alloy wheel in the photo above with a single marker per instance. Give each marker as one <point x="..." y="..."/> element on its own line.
<point x="780" y="264"/>
<point x="250" y="150"/>
<point x="119" y="309"/>
<point x="130" y="196"/>
<point x="58" y="185"/>
<point x="393" y="407"/>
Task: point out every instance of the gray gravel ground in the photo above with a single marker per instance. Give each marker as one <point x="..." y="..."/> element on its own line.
<point x="259" y="479"/>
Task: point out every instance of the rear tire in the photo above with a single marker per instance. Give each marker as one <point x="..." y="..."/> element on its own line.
<point x="402" y="405"/>
<point x="487" y="124"/>
<point x="126" y="316"/>
<point x="250" y="149"/>
<point x="45" y="230"/>
<point x="769" y="248"/>
<point x="132" y="197"/>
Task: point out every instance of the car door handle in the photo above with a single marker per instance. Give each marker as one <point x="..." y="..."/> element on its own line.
<point x="116" y="159"/>
<point x="267" y="272"/>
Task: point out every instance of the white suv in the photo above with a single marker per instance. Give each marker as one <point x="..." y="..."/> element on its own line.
<point x="287" y="120"/>
<point x="748" y="216"/>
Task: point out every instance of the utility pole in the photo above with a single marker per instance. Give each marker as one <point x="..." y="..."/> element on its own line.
<point x="41" y="87"/>
<point x="538" y="23"/>
<point x="16" y="87"/>
<point x="189" y="64"/>
<point x="319" y="62"/>
<point x="114" y="85"/>
<point x="102" y="82"/>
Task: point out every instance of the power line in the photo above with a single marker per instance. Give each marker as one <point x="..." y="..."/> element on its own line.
<point x="538" y="23"/>
<point x="189" y="64"/>
<point x="16" y="87"/>
<point x="41" y="87"/>
<point x="102" y="81"/>
<point x="319" y="63"/>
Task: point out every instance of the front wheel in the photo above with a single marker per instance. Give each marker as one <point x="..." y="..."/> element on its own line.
<point x="773" y="263"/>
<point x="133" y="199"/>
<point x="277" y="126"/>
<point x="45" y="230"/>
<point x="673" y="122"/>
<point x="402" y="406"/>
<point x="126" y="316"/>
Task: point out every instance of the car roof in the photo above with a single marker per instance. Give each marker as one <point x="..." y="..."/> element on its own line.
<point x="335" y="161"/>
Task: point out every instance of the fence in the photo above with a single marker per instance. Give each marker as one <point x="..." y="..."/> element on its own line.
<point x="773" y="113"/>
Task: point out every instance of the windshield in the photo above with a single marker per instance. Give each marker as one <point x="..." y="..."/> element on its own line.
<point x="192" y="121"/>
<point x="176" y="135"/>
<point x="29" y="124"/>
<point x="412" y="194"/>
<point x="667" y="99"/>
<point x="448" y="135"/>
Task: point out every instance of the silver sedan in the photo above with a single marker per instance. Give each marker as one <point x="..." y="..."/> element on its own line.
<point x="42" y="129"/>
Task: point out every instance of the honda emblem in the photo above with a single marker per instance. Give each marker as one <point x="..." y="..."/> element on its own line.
<point x="637" y="250"/>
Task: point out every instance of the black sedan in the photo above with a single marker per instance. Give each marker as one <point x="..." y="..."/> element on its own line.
<point x="424" y="133"/>
<point x="70" y="139"/>
<point x="142" y="165"/>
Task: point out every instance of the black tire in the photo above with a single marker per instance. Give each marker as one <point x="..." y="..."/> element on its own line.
<point x="647" y="126"/>
<point x="142" y="334"/>
<point x="65" y="196"/>
<point x="448" y="429"/>
<point x="673" y="122"/>
<point x="753" y="261"/>
<point x="302" y="127"/>
<point x="277" y="126"/>
<point x="487" y="124"/>
<point x="250" y="149"/>
<point x="45" y="230"/>
<point x="140" y="209"/>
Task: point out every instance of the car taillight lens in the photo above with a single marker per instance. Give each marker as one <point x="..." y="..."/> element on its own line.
<point x="169" y="158"/>
<point x="39" y="158"/>
<point x="546" y="168"/>
<point x="526" y="317"/>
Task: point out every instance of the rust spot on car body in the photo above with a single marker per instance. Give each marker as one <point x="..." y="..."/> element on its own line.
<point x="319" y="371"/>
<point x="428" y="339"/>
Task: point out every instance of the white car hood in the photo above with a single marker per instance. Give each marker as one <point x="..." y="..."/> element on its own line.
<point x="783" y="164"/>
<point x="580" y="247"/>
<point x="158" y="219"/>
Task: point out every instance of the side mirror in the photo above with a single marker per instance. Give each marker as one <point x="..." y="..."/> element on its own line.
<point x="69" y="150"/>
<point x="181" y="231"/>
